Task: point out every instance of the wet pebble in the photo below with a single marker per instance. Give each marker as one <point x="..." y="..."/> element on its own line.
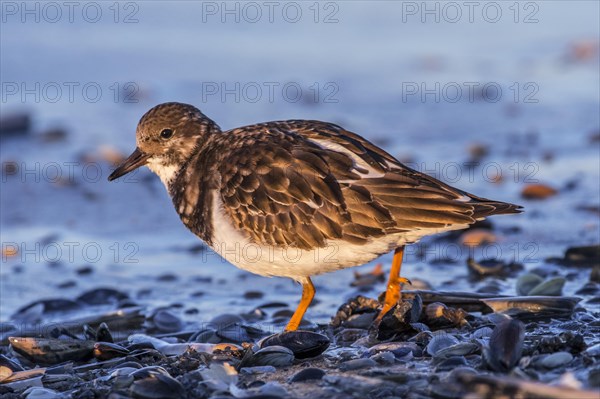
<point x="253" y="294"/>
<point x="223" y="321"/>
<point x="538" y="192"/>
<point x="84" y="270"/>
<point x="66" y="284"/>
<point x="555" y="360"/>
<point x="357" y="364"/>
<point x="102" y="296"/>
<point x="15" y="123"/>
<point x="308" y="374"/>
<point x="167" y="278"/>
<point x="166" y="321"/>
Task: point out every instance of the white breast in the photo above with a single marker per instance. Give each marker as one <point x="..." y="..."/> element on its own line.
<point x="265" y="260"/>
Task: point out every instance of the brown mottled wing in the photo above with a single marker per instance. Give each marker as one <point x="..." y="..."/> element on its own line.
<point x="415" y="200"/>
<point x="300" y="183"/>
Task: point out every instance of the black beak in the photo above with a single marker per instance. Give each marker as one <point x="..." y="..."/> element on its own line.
<point x="134" y="161"/>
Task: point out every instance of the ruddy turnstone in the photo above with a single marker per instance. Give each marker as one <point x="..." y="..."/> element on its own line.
<point x="296" y="198"/>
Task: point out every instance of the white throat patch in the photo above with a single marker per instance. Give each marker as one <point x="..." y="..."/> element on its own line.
<point x="166" y="172"/>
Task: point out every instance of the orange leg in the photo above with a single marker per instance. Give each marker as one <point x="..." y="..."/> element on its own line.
<point x="392" y="293"/>
<point x="308" y="293"/>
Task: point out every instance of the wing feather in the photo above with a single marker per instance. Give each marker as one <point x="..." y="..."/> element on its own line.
<point x="302" y="183"/>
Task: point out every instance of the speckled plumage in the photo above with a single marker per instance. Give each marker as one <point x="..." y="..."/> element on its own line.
<point x="295" y="184"/>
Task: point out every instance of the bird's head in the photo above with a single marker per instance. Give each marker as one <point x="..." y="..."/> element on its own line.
<point x="166" y="137"/>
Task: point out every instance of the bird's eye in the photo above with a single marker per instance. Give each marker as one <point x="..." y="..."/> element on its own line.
<point x="166" y="134"/>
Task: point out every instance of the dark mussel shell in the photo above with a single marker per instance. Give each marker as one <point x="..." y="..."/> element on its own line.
<point x="304" y="344"/>
<point x="505" y="346"/>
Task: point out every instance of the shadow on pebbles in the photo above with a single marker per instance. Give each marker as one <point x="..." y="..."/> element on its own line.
<point x="431" y="344"/>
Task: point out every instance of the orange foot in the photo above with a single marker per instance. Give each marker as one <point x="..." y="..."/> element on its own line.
<point x="392" y="293"/>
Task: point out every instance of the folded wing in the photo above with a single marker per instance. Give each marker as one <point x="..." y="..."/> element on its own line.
<point x="301" y="183"/>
